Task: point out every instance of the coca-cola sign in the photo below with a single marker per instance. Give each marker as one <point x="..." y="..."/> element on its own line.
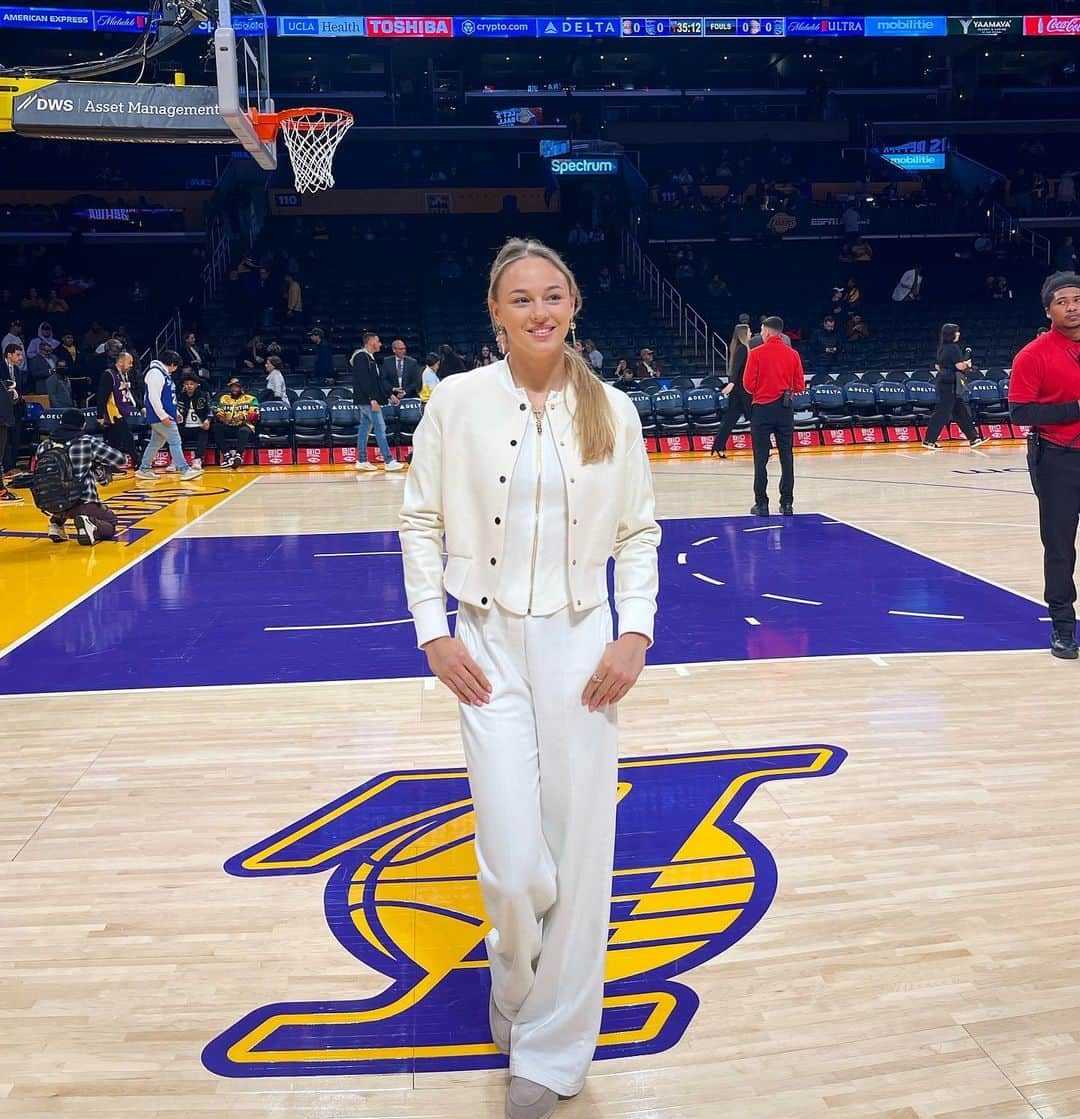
<point x="1052" y="25"/>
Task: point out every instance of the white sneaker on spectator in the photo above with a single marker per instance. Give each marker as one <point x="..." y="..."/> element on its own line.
<point x="85" y="531"/>
<point x="190" y="475"/>
<point x="393" y="465"/>
<point x="171" y="468"/>
<point x="365" y="465"/>
<point x="149" y="475"/>
<point x="56" y="533"/>
<point x="196" y="464"/>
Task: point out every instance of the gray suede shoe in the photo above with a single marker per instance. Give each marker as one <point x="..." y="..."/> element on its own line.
<point x="500" y="1027"/>
<point x="526" y="1100"/>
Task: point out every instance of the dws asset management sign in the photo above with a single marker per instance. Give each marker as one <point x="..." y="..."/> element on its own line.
<point x="113" y="111"/>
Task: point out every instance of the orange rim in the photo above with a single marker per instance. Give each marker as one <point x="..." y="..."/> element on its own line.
<point x="267" y="125"/>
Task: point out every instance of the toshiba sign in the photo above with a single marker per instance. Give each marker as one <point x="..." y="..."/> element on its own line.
<point x="410" y="27"/>
<point x="1052" y="25"/>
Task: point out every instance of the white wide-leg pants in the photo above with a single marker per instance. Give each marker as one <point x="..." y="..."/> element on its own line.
<point x="543" y="772"/>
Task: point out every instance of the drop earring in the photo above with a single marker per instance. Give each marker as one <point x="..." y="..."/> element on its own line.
<point x="573" y="331"/>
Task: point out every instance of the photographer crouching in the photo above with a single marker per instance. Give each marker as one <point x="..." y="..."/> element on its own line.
<point x="1044" y="392"/>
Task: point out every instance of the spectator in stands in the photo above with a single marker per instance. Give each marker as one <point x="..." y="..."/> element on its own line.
<point x="93" y="519"/>
<point x="909" y="286"/>
<point x="44" y="334"/>
<point x="449" y="269"/>
<point x="450" y="361"/>
<point x="401" y="373"/>
<point x="1002" y="291"/>
<point x="852" y="296"/>
<point x="9" y="397"/>
<point x="32" y="303"/>
<point x="593" y="356"/>
<point x="266" y="298"/>
<point x="67" y="348"/>
<point x="737" y="397"/>
<point x="40" y="368"/>
<point x="162" y="413"/>
<point x="857" y="329"/>
<point x="622" y="280"/>
<point x="828" y="342"/>
<point x="862" y="251"/>
<point x="95" y="335"/>
<point x="324" y="356"/>
<point x="116" y="403"/>
<point x="718" y="288"/>
<point x="989" y="288"/>
<point x="56" y="305"/>
<point x="603" y="280"/>
<point x="850" y="220"/>
<point x="275" y="380"/>
<point x="952" y="365"/>
<point x="58" y="387"/>
<point x="294" y="296"/>
<point x="194" y="408"/>
<point x="623" y="377"/>
<point x="14" y="337"/>
<point x="235" y="416"/>
<point x="647" y="366"/>
<point x="429" y="379"/>
<point x="369" y="395"/>
<point x="759" y="338"/>
<point x="195" y="354"/>
<point x="1065" y="258"/>
<point x="484" y="357"/>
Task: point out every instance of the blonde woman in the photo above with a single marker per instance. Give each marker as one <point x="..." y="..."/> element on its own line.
<point x="556" y="481"/>
<point x="738" y="398"/>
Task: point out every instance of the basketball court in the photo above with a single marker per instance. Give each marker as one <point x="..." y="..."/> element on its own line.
<point x="240" y="880"/>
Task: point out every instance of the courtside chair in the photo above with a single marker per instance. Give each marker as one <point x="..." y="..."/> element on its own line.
<point x="828" y="402"/>
<point x="923" y="397"/>
<point x="805" y="419"/>
<point x="862" y="404"/>
<point x="310" y="422"/>
<point x="703" y="412"/>
<point x="892" y="401"/>
<point x="344" y="425"/>
<point x="410" y="413"/>
<point x="986" y="402"/>
<point x="275" y="426"/>
<point x="643" y="403"/>
<point x="669" y="407"/>
<point x="312" y="392"/>
<point x="50" y="420"/>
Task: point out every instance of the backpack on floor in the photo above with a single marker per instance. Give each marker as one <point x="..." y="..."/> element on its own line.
<point x="54" y="484"/>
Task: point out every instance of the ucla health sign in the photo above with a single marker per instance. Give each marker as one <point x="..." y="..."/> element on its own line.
<point x="323" y="27"/>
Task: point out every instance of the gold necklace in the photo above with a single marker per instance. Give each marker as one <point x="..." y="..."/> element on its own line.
<point x="538" y="416"/>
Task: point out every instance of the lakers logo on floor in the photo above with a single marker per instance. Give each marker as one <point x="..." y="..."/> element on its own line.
<point x="403" y="898"/>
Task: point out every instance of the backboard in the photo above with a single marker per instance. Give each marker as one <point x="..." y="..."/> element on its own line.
<point x="242" y="61"/>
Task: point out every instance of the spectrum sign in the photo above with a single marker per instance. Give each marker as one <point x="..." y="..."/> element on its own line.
<point x="585" y="165"/>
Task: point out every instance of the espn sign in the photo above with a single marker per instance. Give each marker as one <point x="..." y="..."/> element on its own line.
<point x="410" y="27"/>
<point x="1052" y="25"/>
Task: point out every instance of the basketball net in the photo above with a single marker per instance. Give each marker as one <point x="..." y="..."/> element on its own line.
<point x="312" y="137"/>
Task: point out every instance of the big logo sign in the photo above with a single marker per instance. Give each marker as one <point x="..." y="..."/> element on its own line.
<point x="403" y="898"/>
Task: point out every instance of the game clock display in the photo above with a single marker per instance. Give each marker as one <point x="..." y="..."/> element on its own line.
<point x="671" y="26"/>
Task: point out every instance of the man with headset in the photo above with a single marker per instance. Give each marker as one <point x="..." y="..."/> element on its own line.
<point x="1044" y="392"/>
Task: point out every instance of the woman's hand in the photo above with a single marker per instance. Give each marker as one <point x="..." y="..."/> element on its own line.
<point x="450" y="661"/>
<point x="619" y="668"/>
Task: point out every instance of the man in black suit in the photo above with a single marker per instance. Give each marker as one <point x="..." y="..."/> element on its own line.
<point x="400" y="373"/>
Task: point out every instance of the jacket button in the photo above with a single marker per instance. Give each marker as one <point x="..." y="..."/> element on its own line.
<point x="498" y="521"/>
<point x="493" y="561"/>
<point x="502" y="478"/>
<point x="574" y="521"/>
<point x="571" y="479"/>
<point x="573" y="563"/>
<point x="483" y="601"/>
<point x="513" y="442"/>
<point x="523" y="407"/>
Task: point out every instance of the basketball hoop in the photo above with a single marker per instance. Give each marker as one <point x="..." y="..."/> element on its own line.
<point x="312" y="136"/>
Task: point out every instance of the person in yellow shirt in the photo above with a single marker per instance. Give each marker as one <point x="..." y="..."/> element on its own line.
<point x="295" y="296"/>
<point x="235" y="417"/>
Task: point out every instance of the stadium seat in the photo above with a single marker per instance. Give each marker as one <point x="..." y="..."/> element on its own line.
<point x="275" y="425"/>
<point x="828" y="402"/>
<point x="703" y="412"/>
<point x="805" y="419"/>
<point x="669" y="407"/>
<point x="344" y="424"/>
<point x="410" y="412"/>
<point x="649" y="385"/>
<point x="986" y="402"/>
<point x="862" y="403"/>
<point x="310" y="422"/>
<point x="892" y="401"/>
<point x="643" y="403"/>
<point x="341" y="392"/>
<point x="49" y="420"/>
<point x="923" y="398"/>
<point x="312" y="392"/>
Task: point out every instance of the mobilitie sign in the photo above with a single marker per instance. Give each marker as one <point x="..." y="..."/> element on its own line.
<point x="585" y="165"/>
<point x="906" y="26"/>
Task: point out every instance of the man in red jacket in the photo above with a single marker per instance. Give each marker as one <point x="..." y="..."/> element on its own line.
<point x="774" y="373"/>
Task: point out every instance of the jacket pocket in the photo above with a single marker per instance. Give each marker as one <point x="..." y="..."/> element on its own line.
<point x="457" y="571"/>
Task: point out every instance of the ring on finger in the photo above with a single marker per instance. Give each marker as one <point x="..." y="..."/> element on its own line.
<point x="596" y="678"/>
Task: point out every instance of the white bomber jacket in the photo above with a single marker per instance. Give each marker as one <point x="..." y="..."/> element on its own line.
<point x="464" y="452"/>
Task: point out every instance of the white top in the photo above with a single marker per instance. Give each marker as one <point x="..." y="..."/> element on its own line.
<point x="275" y="382"/>
<point x="908" y="284"/>
<point x="533" y="577"/>
<point x="429" y="378"/>
<point x="597" y="359"/>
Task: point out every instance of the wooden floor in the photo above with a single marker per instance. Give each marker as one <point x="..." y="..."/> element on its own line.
<point x="921" y="957"/>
